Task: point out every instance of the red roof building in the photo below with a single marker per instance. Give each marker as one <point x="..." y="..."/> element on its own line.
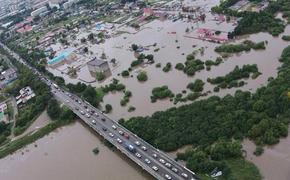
<point x="147" y="12"/>
<point x="24" y="29"/>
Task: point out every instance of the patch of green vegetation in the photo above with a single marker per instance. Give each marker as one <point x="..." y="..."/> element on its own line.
<point x="131" y="109"/>
<point x="196" y="86"/>
<point x="179" y="66"/>
<point x="254" y="22"/>
<point x="142" y="76"/>
<point x="167" y="67"/>
<point x="236" y="48"/>
<point x="108" y="108"/>
<point x="96" y="150"/>
<point x="114" y="86"/>
<point x="193" y="96"/>
<point x="209" y="63"/>
<point x="192" y="65"/>
<point x="156" y="50"/>
<point x="243" y="170"/>
<point x="158" y="65"/>
<point x="259" y="150"/>
<point x="179" y="98"/>
<point x="286" y="37"/>
<point x="231" y="79"/>
<point x="93" y="95"/>
<point x="125" y="73"/>
<point x="126" y="98"/>
<point x="161" y="93"/>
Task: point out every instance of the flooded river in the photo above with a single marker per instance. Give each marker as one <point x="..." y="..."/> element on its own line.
<point x="67" y="154"/>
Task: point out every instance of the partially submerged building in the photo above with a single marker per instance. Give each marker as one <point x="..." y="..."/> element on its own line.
<point x="98" y="66"/>
<point x="62" y="57"/>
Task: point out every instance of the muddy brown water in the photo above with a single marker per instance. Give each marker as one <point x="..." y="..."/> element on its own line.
<point x="274" y="163"/>
<point x="67" y="154"/>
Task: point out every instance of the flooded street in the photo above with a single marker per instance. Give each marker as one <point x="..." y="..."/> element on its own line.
<point x="67" y="154"/>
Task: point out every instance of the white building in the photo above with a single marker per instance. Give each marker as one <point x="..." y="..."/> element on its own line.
<point x="38" y="11"/>
<point x="25" y="95"/>
<point x="68" y="4"/>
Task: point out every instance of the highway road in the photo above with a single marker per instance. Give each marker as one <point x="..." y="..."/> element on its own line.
<point x="154" y="161"/>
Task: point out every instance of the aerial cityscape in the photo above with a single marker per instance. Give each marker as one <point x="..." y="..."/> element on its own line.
<point x="144" y="89"/>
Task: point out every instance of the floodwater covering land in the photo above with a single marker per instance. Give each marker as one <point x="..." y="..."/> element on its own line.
<point x="168" y="36"/>
<point x="274" y="163"/>
<point x="67" y="154"/>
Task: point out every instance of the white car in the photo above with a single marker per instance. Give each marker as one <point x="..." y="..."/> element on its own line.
<point x="111" y="134"/>
<point x="144" y="148"/>
<point x="184" y="175"/>
<point x="93" y="121"/>
<point x="154" y="155"/>
<point x="137" y="143"/>
<point x="147" y="161"/>
<point x="167" y="176"/>
<point x="119" y="140"/>
<point x="121" y="133"/>
<point x="67" y="101"/>
<point x="162" y="161"/>
<point x="88" y="116"/>
<point x="114" y="127"/>
<point x="82" y="112"/>
<point x="138" y="155"/>
<point x="174" y="170"/>
<point x="97" y="114"/>
<point x="155" y="168"/>
<point x="168" y="165"/>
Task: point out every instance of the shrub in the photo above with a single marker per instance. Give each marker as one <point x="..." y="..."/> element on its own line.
<point x="142" y="76"/>
<point x="125" y="73"/>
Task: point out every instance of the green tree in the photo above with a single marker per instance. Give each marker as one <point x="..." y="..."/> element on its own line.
<point x="53" y="109"/>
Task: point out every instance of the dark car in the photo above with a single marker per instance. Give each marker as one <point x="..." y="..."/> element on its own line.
<point x="126" y="135"/>
<point x="104" y="129"/>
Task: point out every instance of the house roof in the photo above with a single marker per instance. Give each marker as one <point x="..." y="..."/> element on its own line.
<point x="148" y="11"/>
<point x="96" y="62"/>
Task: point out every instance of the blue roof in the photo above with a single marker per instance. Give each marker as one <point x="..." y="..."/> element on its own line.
<point x="58" y="58"/>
